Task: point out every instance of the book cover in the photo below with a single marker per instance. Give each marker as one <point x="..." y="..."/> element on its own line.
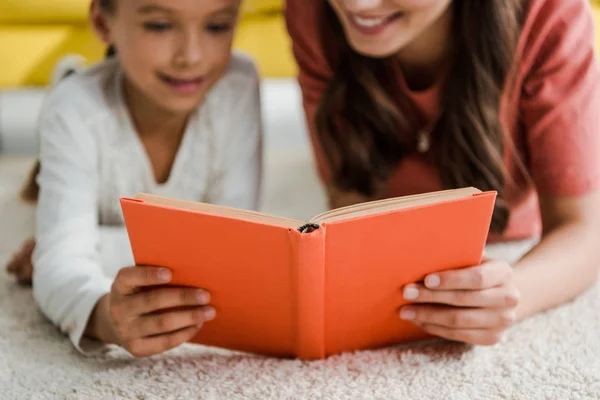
<point x="287" y="288"/>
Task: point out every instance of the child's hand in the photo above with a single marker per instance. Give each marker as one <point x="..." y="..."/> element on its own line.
<point x="474" y="305"/>
<point x="138" y="318"/>
<point x="20" y="264"/>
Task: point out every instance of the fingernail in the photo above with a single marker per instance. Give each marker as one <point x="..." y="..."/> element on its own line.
<point x="210" y="313"/>
<point x="433" y="281"/>
<point x="411" y="293"/>
<point x="202" y="297"/>
<point x="164" y="275"/>
<point x="408" y="314"/>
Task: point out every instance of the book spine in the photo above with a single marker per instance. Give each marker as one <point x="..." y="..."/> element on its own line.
<point x="309" y="273"/>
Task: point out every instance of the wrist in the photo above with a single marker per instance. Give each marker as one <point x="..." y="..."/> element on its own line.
<point x="99" y="326"/>
<point x="520" y="279"/>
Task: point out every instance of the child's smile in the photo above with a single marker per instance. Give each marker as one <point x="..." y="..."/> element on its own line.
<point x="185" y="86"/>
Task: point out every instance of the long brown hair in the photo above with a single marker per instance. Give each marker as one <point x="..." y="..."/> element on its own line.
<point x="360" y="114"/>
<point x="31" y="190"/>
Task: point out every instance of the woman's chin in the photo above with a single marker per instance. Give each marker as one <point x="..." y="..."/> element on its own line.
<point x="380" y="46"/>
<point x="375" y="53"/>
<point x="380" y="50"/>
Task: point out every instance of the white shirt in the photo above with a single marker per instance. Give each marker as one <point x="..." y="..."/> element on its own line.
<point x="91" y="156"/>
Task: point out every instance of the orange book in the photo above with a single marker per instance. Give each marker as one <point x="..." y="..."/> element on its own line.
<point x="286" y="288"/>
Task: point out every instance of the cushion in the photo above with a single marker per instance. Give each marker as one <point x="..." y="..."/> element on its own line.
<point x="24" y="49"/>
<point x="262" y="6"/>
<point x="44" y="11"/>
<point x="266" y="40"/>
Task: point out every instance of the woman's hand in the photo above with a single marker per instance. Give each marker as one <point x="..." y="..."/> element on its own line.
<point x="134" y="314"/>
<point x="473" y="305"/>
<point x="20" y="264"/>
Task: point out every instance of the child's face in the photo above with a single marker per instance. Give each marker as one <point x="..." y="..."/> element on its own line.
<point x="380" y="28"/>
<point x="172" y="51"/>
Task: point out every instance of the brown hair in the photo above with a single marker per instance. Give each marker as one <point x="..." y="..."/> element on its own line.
<point x="31" y="189"/>
<point x="359" y="116"/>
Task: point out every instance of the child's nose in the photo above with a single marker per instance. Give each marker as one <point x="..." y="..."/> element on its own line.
<point x="190" y="51"/>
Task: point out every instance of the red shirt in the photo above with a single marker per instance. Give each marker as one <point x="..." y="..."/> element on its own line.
<point x="553" y="115"/>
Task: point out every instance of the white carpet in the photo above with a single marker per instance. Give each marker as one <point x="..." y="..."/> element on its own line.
<point x="552" y="356"/>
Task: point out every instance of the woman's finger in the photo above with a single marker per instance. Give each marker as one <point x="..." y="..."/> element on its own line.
<point x="459" y="318"/>
<point x="164" y="323"/>
<point x="498" y="297"/>
<point x="162" y="298"/>
<point x="146" y="347"/>
<point x="485" y="276"/>
<point x="481" y="337"/>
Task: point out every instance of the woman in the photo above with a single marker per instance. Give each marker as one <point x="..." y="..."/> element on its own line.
<point x="407" y="96"/>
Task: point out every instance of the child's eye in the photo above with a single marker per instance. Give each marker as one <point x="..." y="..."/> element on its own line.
<point x="218" y="28"/>
<point x="157" y="26"/>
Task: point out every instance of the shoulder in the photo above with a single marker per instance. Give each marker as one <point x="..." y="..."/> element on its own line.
<point x="77" y="111"/>
<point x="546" y="13"/>
<point x="556" y="29"/>
<point x="85" y="96"/>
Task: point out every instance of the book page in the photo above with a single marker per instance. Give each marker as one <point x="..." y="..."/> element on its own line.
<point x="399" y="203"/>
<point x="247" y="215"/>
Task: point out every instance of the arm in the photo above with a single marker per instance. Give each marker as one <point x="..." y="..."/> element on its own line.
<point x="70" y="285"/>
<point x="560" y="104"/>
<point x="559" y="107"/>
<point x="115" y="249"/>
<point x="115" y="253"/>
<point x="566" y="261"/>
<point x="68" y="280"/>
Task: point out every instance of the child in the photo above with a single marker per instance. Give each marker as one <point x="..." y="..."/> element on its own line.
<point x="174" y="113"/>
<point x="406" y="96"/>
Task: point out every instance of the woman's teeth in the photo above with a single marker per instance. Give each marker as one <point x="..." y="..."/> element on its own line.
<point x="370" y="22"/>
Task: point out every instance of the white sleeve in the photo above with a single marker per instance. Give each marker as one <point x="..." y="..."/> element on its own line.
<point x="238" y="181"/>
<point x="115" y="250"/>
<point x="68" y="278"/>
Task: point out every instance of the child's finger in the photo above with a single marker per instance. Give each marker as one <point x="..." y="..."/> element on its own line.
<point x="482" y="337"/>
<point x="163" y="298"/>
<point x="159" y="344"/>
<point x="459" y="318"/>
<point x="130" y="280"/>
<point x="498" y="297"/>
<point x="486" y="276"/>
<point x="167" y="322"/>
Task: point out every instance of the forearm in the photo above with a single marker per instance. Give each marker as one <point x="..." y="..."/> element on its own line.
<point x="114" y="250"/>
<point x="563" y="265"/>
<point x="115" y="253"/>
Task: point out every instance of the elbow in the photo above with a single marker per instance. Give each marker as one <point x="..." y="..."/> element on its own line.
<point x="40" y="282"/>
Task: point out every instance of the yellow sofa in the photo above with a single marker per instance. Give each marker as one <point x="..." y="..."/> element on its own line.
<point x="35" y="34"/>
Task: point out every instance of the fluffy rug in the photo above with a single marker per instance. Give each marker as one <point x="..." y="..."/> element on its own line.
<point x="555" y="355"/>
